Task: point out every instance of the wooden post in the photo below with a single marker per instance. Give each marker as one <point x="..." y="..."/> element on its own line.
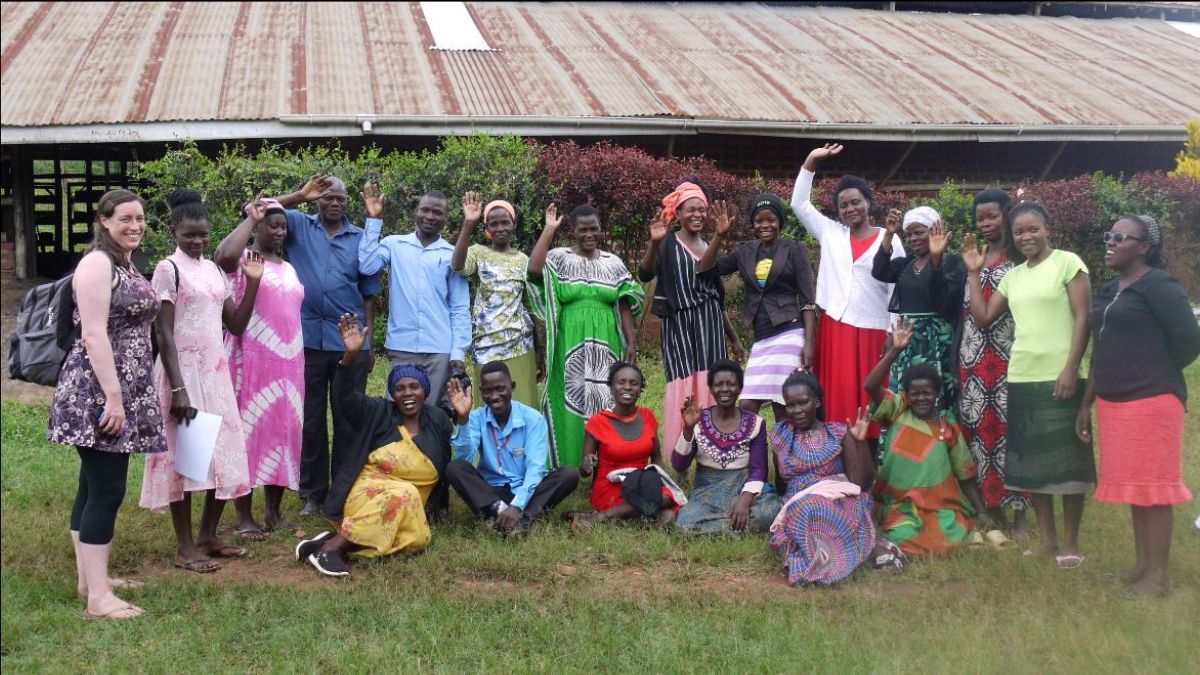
<point x="24" y="233"/>
<point x="1053" y="160"/>
<point x="896" y="167"/>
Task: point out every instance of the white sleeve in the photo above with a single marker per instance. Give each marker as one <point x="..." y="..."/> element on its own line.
<point x="813" y="220"/>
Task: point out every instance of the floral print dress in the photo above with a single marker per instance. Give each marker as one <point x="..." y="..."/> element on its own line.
<point x="385" y="510"/>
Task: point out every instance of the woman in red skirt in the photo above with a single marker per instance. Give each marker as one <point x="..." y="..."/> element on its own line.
<point x="1145" y="335"/>
<point x="853" y="326"/>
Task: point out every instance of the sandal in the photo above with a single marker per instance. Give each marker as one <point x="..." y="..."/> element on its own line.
<point x="1068" y="562"/>
<point x="997" y="540"/>
<point x="227" y="551"/>
<point x="202" y="566"/>
<point x="252" y="533"/>
<point x="116" y="614"/>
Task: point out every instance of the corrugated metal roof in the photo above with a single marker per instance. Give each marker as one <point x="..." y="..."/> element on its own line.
<point x="72" y="63"/>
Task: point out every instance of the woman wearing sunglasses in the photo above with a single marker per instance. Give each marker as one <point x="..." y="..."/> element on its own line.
<point x="1145" y="335"/>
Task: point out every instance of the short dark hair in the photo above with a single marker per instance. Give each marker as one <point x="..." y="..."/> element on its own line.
<point x="803" y="378"/>
<point x="622" y="365"/>
<point x="1019" y="209"/>
<point x="921" y="371"/>
<point x="849" y="182"/>
<point x="583" y="211"/>
<point x="725" y="366"/>
<point x="1000" y="198"/>
<point x="493" y="367"/>
<point x="186" y="204"/>
<point x="435" y="194"/>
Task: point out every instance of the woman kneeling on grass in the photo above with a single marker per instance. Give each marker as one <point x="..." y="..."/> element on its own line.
<point x="824" y="529"/>
<point x="625" y="440"/>
<point x="926" y="493"/>
<point x="729" y="445"/>
<point x="397" y="456"/>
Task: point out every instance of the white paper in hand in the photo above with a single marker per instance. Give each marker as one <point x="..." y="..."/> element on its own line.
<point x="194" y="446"/>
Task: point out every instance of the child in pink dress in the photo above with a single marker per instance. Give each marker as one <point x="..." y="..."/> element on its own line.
<point x="192" y="374"/>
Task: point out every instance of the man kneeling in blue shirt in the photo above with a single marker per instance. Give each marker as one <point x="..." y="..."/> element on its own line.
<point x="510" y="487"/>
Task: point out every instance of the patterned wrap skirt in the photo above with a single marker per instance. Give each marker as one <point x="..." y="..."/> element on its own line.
<point x="713" y="495"/>
<point x="1044" y="454"/>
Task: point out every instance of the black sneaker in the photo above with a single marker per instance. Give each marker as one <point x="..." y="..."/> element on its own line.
<point x="522" y="529"/>
<point x="310" y="546"/>
<point x="330" y="563"/>
<point x="311" y="508"/>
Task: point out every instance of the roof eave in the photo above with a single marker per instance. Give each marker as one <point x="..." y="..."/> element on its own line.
<point x="324" y="126"/>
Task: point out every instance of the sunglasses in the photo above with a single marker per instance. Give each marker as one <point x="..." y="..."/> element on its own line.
<point x="1119" y="237"/>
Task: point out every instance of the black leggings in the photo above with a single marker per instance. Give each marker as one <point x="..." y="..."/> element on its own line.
<point x="102" y="477"/>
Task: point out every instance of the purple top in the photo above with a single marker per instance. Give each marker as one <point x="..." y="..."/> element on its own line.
<point x="746" y="447"/>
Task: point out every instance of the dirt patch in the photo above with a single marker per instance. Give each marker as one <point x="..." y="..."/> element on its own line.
<point x="272" y="568"/>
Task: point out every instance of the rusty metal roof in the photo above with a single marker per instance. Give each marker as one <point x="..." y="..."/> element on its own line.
<point x="95" y="63"/>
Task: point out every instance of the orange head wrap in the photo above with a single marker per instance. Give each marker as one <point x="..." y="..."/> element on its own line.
<point x="684" y="192"/>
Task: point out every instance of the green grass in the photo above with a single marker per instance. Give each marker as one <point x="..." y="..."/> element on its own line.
<point x="625" y="598"/>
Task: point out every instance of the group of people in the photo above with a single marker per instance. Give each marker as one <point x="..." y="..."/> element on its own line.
<point x="936" y="392"/>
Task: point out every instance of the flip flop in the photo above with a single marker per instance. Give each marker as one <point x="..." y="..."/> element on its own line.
<point x="997" y="540"/>
<point x="1068" y="562"/>
<point x="111" y="615"/>
<point x="117" y="583"/>
<point x="203" y="566"/>
<point x="252" y="533"/>
<point x="227" y="551"/>
<point x="975" y="540"/>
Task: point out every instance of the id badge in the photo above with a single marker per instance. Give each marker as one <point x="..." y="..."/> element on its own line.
<point x="518" y="453"/>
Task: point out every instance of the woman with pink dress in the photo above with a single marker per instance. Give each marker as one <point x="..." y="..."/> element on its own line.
<point x="192" y="375"/>
<point x="267" y="363"/>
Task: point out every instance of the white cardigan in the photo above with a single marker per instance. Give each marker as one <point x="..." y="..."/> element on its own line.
<point x="845" y="288"/>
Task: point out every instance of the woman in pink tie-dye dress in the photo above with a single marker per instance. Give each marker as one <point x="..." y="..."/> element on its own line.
<point x="267" y="364"/>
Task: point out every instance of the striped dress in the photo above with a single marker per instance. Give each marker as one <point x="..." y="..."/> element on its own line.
<point x="693" y="333"/>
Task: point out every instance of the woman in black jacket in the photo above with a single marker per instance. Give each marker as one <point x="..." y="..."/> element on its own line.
<point x="392" y="470"/>
<point x="779" y="304"/>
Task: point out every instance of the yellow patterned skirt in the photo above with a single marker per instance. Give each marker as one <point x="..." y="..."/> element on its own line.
<point x="385" y="510"/>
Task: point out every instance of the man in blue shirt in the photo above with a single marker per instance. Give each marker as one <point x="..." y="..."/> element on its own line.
<point x="429" y="323"/>
<point x="323" y="248"/>
<point x="510" y="487"/>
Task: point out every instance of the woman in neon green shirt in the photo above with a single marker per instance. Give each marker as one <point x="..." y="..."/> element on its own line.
<point x="1049" y="296"/>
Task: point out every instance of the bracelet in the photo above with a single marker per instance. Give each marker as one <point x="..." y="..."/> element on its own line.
<point x="176" y="390"/>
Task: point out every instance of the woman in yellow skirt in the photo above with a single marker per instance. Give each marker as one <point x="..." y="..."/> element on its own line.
<point x="390" y="473"/>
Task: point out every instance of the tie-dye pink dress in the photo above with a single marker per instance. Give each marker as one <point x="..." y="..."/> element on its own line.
<point x="267" y="365"/>
<point x="205" y="370"/>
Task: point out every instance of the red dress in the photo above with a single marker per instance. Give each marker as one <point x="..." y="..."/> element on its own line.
<point x="615" y="452"/>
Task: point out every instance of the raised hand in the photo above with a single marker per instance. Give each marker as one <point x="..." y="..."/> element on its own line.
<point x="553" y="220"/>
<point x="252" y="265"/>
<point x="893" y="221"/>
<point x="722" y="217"/>
<point x="372" y="200"/>
<point x="256" y="210"/>
<point x="939" y="239"/>
<point x="460" y="400"/>
<point x="825" y="152"/>
<point x="972" y="255"/>
<point x="659" y="227"/>
<point x="902" y="334"/>
<point x="315" y="187"/>
<point x="860" y="425"/>
<point x="690" y="412"/>
<point x="472" y="207"/>
<point x="353" y="338"/>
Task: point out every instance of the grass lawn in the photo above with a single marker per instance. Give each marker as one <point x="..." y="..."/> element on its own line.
<point x="624" y="598"/>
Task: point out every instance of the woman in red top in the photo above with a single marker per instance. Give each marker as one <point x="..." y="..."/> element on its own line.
<point x="625" y="437"/>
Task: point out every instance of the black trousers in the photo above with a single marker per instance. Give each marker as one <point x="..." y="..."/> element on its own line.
<point x="102" y="478"/>
<point x="315" y="456"/>
<point x="475" y="491"/>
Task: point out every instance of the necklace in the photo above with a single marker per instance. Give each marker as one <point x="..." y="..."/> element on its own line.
<point x="941" y="428"/>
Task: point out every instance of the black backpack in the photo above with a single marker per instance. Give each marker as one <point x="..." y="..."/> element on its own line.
<point x="46" y="332"/>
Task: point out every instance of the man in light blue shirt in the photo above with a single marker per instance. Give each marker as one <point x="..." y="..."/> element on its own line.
<point x="510" y="486"/>
<point x="429" y="323"/>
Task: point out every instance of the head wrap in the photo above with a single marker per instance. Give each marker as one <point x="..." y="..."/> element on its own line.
<point x="500" y="203"/>
<point x="767" y="201"/>
<point x="684" y="192"/>
<point x="404" y="370"/>
<point x="1153" y="232"/>
<point x="273" y="207"/>
<point x="922" y="215"/>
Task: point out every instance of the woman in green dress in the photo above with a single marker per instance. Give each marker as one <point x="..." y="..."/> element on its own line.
<point x="588" y="299"/>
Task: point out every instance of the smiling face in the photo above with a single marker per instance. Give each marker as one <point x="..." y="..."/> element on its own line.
<point x="587" y="233"/>
<point x="853" y="208"/>
<point x="691" y="215"/>
<point x="725" y="389"/>
<point x="922" y="396"/>
<point x="332" y="205"/>
<point x="126" y="225"/>
<point x="192" y="236"/>
<point x="1127" y="253"/>
<point x="270" y="233"/>
<point x="497" y="390"/>
<point x="990" y="219"/>
<point x="500" y="225"/>
<point x="626" y="386"/>
<point x="766" y="226"/>
<point x="1030" y="234"/>
<point x="916" y="238"/>
<point x="408" y="397"/>
<point x="430" y="216"/>
<point x="801" y="403"/>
